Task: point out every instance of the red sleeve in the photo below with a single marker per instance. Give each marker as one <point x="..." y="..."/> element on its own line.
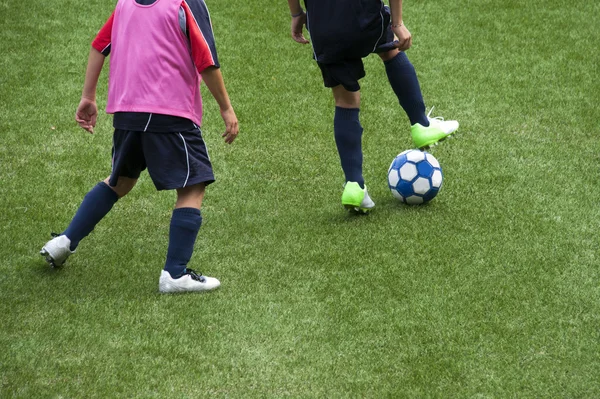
<point x="199" y="31"/>
<point x="103" y="38"/>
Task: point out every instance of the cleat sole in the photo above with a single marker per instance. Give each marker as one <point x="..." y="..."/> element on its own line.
<point x="48" y="258"/>
<point x="352" y="208"/>
<point x="434" y="144"/>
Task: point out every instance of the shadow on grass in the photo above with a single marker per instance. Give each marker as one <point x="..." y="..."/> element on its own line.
<point x="75" y="282"/>
<point x="41" y="268"/>
<point x="385" y="208"/>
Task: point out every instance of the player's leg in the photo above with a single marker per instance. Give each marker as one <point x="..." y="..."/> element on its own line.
<point x="403" y="80"/>
<point x="402" y="77"/>
<point x="186" y="221"/>
<point x="401" y="74"/>
<point x="348" y="139"/>
<point x="180" y="161"/>
<point x="348" y="133"/>
<point x="99" y="200"/>
<point x="343" y="78"/>
<point x="96" y="204"/>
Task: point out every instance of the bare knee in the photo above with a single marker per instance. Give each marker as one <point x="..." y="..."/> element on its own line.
<point x="191" y="196"/>
<point x="123" y="187"/>
<point x="345" y="98"/>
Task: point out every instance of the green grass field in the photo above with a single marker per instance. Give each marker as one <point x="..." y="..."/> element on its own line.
<point x="490" y="291"/>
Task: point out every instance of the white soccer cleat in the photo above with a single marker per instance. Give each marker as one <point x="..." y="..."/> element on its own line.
<point x="367" y="203"/>
<point x="189" y="282"/>
<point x="57" y="250"/>
<point x="447" y="127"/>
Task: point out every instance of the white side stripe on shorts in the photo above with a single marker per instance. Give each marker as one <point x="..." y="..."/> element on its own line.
<point x="148" y="123"/>
<point x="382" y="31"/>
<point x="205" y="146"/>
<point x="187" y="159"/>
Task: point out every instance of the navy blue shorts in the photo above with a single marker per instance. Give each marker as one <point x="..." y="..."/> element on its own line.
<point x="348" y="72"/>
<point x="174" y="160"/>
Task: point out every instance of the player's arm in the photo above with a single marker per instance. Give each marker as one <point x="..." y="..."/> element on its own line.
<point x="87" y="111"/>
<point x="400" y="31"/>
<point x="298" y="21"/>
<point x="102" y="41"/>
<point x="204" y="55"/>
<point x="214" y="81"/>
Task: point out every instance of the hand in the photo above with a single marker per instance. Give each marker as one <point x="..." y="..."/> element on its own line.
<point x="231" y="125"/>
<point x="404" y="37"/>
<point x="86" y="114"/>
<point x="297" y="26"/>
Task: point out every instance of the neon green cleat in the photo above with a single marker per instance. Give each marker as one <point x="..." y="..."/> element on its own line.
<point x="438" y="130"/>
<point x="357" y="199"/>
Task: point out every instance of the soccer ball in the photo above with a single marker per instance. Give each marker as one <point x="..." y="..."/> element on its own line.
<point x="415" y="177"/>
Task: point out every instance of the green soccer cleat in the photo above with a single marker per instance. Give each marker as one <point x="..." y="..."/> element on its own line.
<point x="357" y="199"/>
<point x="438" y="130"/>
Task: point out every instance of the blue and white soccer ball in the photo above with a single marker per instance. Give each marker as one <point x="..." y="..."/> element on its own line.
<point x="415" y="177"/>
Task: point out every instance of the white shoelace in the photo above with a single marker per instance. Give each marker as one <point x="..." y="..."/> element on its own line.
<point x="437" y="118"/>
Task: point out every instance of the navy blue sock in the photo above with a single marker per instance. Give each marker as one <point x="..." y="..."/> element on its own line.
<point x="403" y="79"/>
<point x="348" y="139"/>
<point x="185" y="224"/>
<point x="96" y="204"/>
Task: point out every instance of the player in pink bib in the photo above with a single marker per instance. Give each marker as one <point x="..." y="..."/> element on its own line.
<point x="160" y="51"/>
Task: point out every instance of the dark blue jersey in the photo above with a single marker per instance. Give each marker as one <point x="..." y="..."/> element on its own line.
<point x="345" y="29"/>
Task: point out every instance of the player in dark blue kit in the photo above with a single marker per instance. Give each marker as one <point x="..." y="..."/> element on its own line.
<point x="342" y="33"/>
